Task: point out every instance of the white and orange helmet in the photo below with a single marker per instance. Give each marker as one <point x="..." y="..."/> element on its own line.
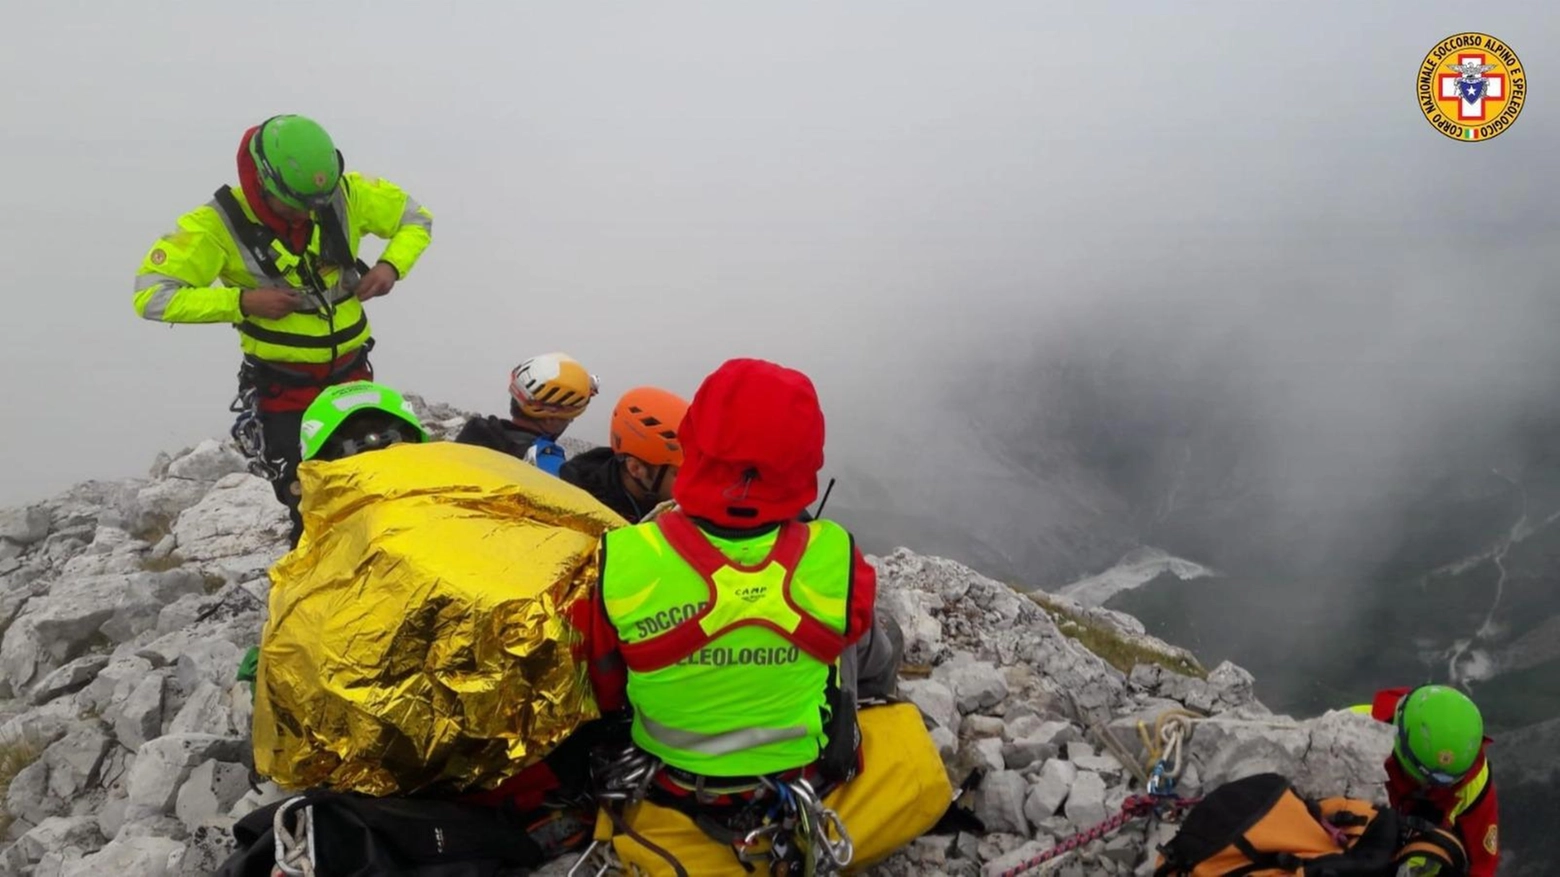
<point x="552" y="385"/>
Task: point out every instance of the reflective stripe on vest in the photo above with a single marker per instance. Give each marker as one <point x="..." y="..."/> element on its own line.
<point x="309" y="336"/>
<point x="729" y="665"/>
<point x="1435" y="846"/>
<point x="1468" y="794"/>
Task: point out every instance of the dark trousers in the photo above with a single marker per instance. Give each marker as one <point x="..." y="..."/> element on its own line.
<point x="282" y="443"/>
<point x="287" y="387"/>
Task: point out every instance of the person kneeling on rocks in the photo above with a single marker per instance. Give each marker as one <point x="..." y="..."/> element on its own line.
<point x="349" y="419"/>
<point x="547" y="393"/>
<point x="742" y="639"/>
<point x="1437" y="770"/>
<point x="342" y="421"/>
<point x="636" y="471"/>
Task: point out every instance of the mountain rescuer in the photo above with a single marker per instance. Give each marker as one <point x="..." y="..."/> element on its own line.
<point x="1437" y="770"/>
<point x="277" y="257"/>
<point x="637" y="469"/>
<point x="744" y="641"/>
<point x="546" y="394"/>
<point x="348" y="419"/>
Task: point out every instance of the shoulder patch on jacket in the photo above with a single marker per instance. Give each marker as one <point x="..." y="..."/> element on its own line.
<point x="1491" y="840"/>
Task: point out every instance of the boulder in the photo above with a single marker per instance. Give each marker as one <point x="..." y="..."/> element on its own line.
<point x="207" y="462"/>
<point x="141" y="856"/>
<point x="239" y="516"/>
<point x="934" y="699"/>
<point x="211" y="790"/>
<point x="55" y="833"/>
<point x="73" y="761"/>
<point x="25" y="526"/>
<point x="1000" y="802"/>
<point x="162" y="766"/>
<point x="70" y="678"/>
<point x="1050" y="790"/>
<point x="138" y="718"/>
<point x="1085" y="805"/>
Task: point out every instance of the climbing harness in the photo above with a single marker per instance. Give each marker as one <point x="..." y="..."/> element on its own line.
<point x="797" y="828"/>
<point x="795" y="832"/>
<point x="248" y="433"/>
<point x="294" y="848"/>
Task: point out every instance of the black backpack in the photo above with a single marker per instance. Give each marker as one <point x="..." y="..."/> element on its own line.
<point x="1259" y="826"/>
<point x="358" y="836"/>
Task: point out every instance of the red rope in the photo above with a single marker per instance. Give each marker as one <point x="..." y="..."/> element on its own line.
<point x="1134" y="807"/>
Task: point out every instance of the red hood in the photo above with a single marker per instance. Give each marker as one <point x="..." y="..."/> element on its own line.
<point x="752" y="445"/>
<point x="295" y="234"/>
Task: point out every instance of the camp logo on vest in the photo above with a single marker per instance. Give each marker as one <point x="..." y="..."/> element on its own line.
<point x="1491" y="840"/>
<point x="1471" y="86"/>
<point x="752" y="593"/>
<point x="725" y="657"/>
<point x="666" y="619"/>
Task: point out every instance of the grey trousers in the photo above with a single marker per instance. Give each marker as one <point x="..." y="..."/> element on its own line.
<point x="871" y="669"/>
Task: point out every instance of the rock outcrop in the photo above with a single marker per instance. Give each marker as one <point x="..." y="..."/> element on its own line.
<point x="125" y="608"/>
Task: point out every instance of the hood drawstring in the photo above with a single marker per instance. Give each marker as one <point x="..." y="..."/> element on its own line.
<point x="749" y="475"/>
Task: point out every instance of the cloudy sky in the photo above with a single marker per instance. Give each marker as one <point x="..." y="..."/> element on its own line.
<point x="871" y="191"/>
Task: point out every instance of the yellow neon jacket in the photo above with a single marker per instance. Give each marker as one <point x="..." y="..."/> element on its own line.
<point x="195" y="273"/>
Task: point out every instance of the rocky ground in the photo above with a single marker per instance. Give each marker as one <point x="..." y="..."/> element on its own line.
<point x="125" y="607"/>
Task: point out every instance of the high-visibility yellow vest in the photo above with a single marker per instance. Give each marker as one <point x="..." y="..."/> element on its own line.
<point x="731" y="645"/>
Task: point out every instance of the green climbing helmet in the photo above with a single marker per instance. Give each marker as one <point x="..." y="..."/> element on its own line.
<point x="334" y="407"/>
<point x="1439" y="734"/>
<point x="297" y="161"/>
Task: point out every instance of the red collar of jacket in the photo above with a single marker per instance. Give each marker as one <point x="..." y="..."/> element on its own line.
<point x="1403" y="789"/>
<point x="295" y="235"/>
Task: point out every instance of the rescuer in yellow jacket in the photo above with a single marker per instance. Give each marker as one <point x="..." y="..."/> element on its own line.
<point x="277" y="258"/>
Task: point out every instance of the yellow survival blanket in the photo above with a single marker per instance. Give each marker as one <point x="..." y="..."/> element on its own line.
<point x="418" y="637"/>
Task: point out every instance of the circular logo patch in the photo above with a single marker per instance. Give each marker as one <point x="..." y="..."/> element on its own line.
<point x="320" y="179"/>
<point x="1471" y="86"/>
<point x="1445" y="757"/>
<point x="159" y="257"/>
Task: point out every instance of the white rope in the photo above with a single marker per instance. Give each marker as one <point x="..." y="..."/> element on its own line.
<point x="1175" y="730"/>
<point x="600" y="853"/>
<point x="294" y="849"/>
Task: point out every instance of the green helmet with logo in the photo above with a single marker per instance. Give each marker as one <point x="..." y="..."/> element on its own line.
<point x="297" y="161"/>
<point x="1439" y="734"/>
<point x="343" y="402"/>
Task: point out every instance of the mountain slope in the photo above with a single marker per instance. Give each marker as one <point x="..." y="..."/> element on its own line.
<point x="125" y="607"/>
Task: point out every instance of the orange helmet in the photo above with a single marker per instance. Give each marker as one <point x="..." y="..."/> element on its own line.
<point x="552" y="385"/>
<point x="644" y="425"/>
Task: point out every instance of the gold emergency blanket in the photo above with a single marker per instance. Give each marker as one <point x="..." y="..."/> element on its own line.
<point x="418" y="638"/>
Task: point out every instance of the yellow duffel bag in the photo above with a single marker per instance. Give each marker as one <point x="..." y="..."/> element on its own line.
<point x="900" y="793"/>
